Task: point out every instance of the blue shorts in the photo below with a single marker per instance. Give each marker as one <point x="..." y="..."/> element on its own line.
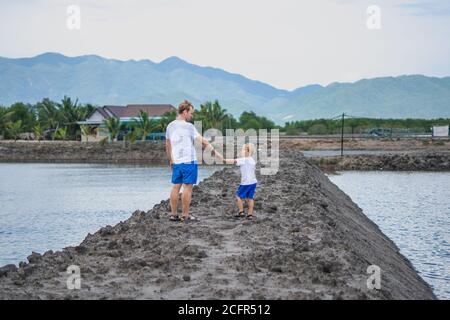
<point x="185" y="173"/>
<point x="246" y="192"/>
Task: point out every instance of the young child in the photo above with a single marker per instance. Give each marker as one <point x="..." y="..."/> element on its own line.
<point x="246" y="190"/>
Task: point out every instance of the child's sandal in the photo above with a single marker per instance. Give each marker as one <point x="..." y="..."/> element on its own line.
<point x="249" y="217"/>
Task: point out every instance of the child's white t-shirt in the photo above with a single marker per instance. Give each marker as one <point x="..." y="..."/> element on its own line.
<point x="248" y="168"/>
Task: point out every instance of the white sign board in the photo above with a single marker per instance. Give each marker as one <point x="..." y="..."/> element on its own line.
<point x="440" y="131"/>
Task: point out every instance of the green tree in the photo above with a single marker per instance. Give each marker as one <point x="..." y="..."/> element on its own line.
<point x="113" y="126"/>
<point x="61" y="133"/>
<point x="167" y="118"/>
<point x="24" y="113"/>
<point x="132" y="133"/>
<point x="48" y="114"/>
<point x="212" y="115"/>
<point x="5" y="118"/>
<point x="249" y="120"/>
<point x="71" y="113"/>
<point x="14" y="129"/>
<point x="38" y="131"/>
<point x="85" y="131"/>
<point x="146" y="125"/>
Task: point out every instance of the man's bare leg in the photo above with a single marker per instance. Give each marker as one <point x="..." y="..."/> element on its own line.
<point x="186" y="199"/>
<point x="174" y="199"/>
<point x="251" y="204"/>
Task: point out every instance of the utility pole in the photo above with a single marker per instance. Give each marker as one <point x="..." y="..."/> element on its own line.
<point x="342" y="135"/>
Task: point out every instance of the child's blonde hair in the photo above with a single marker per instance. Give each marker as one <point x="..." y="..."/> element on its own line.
<point x="248" y="149"/>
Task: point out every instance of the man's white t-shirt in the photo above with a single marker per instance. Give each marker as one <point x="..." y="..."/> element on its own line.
<point x="248" y="168"/>
<point x="182" y="135"/>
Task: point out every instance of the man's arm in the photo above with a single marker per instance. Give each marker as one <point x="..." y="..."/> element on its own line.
<point x="227" y="161"/>
<point x="205" y="143"/>
<point x="169" y="152"/>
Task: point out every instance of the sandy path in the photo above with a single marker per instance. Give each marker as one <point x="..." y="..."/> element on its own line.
<point x="310" y="241"/>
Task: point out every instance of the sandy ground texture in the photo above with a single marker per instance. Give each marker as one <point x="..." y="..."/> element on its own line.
<point x="309" y="241"/>
<point x="405" y="161"/>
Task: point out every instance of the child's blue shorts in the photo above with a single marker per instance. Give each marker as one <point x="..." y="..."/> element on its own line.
<point x="246" y="191"/>
<point x="185" y="173"/>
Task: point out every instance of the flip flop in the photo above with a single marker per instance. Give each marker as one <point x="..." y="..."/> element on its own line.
<point x="250" y="217"/>
<point x="239" y="215"/>
<point x="190" y="218"/>
<point x="174" y="218"/>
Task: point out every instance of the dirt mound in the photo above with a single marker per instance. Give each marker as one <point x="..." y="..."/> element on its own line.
<point x="415" y="161"/>
<point x="309" y="241"/>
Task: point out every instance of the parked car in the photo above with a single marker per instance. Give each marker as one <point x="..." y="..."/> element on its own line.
<point x="47" y="135"/>
<point x="380" y="132"/>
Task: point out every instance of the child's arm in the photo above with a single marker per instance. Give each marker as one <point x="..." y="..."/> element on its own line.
<point x="227" y="161"/>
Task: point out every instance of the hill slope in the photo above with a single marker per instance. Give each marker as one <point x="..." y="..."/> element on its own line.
<point x="107" y="81"/>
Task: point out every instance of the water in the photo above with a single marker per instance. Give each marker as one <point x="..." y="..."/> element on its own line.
<point x="413" y="209"/>
<point x="51" y="206"/>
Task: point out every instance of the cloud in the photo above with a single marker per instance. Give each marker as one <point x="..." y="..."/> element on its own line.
<point x="427" y="8"/>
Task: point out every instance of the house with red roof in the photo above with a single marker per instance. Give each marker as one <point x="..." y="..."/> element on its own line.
<point x="126" y="114"/>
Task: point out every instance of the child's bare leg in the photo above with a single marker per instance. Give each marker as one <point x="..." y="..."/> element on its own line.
<point x="240" y="204"/>
<point x="251" y="204"/>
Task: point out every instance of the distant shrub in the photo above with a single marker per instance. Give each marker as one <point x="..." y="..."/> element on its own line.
<point x="103" y="142"/>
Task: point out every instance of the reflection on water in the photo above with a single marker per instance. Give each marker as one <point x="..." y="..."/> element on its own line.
<point x="413" y="209"/>
<point x="51" y="206"/>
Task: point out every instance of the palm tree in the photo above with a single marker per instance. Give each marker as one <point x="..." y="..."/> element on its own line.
<point x="14" y="129"/>
<point x="38" y="132"/>
<point x="71" y="113"/>
<point x="132" y="134"/>
<point x="49" y="115"/>
<point x="212" y="115"/>
<point x="61" y="133"/>
<point x="146" y="125"/>
<point x="85" y="131"/>
<point x="113" y="126"/>
<point x="167" y="118"/>
<point x="218" y="115"/>
<point x="5" y="116"/>
<point x="85" y="110"/>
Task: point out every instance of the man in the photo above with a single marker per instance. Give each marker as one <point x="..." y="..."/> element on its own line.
<point x="180" y="138"/>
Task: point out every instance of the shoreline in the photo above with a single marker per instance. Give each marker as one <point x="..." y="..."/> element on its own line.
<point x="310" y="241"/>
<point x="401" y="161"/>
<point x="153" y="153"/>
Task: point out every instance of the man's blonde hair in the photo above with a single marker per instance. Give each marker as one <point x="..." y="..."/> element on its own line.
<point x="184" y="106"/>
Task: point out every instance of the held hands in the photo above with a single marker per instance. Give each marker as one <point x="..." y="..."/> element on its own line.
<point x="218" y="155"/>
<point x="222" y="159"/>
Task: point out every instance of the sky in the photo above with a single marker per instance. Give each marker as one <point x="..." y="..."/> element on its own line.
<point x="285" y="43"/>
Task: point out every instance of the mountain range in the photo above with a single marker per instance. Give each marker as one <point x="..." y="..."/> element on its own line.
<point x="103" y="81"/>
